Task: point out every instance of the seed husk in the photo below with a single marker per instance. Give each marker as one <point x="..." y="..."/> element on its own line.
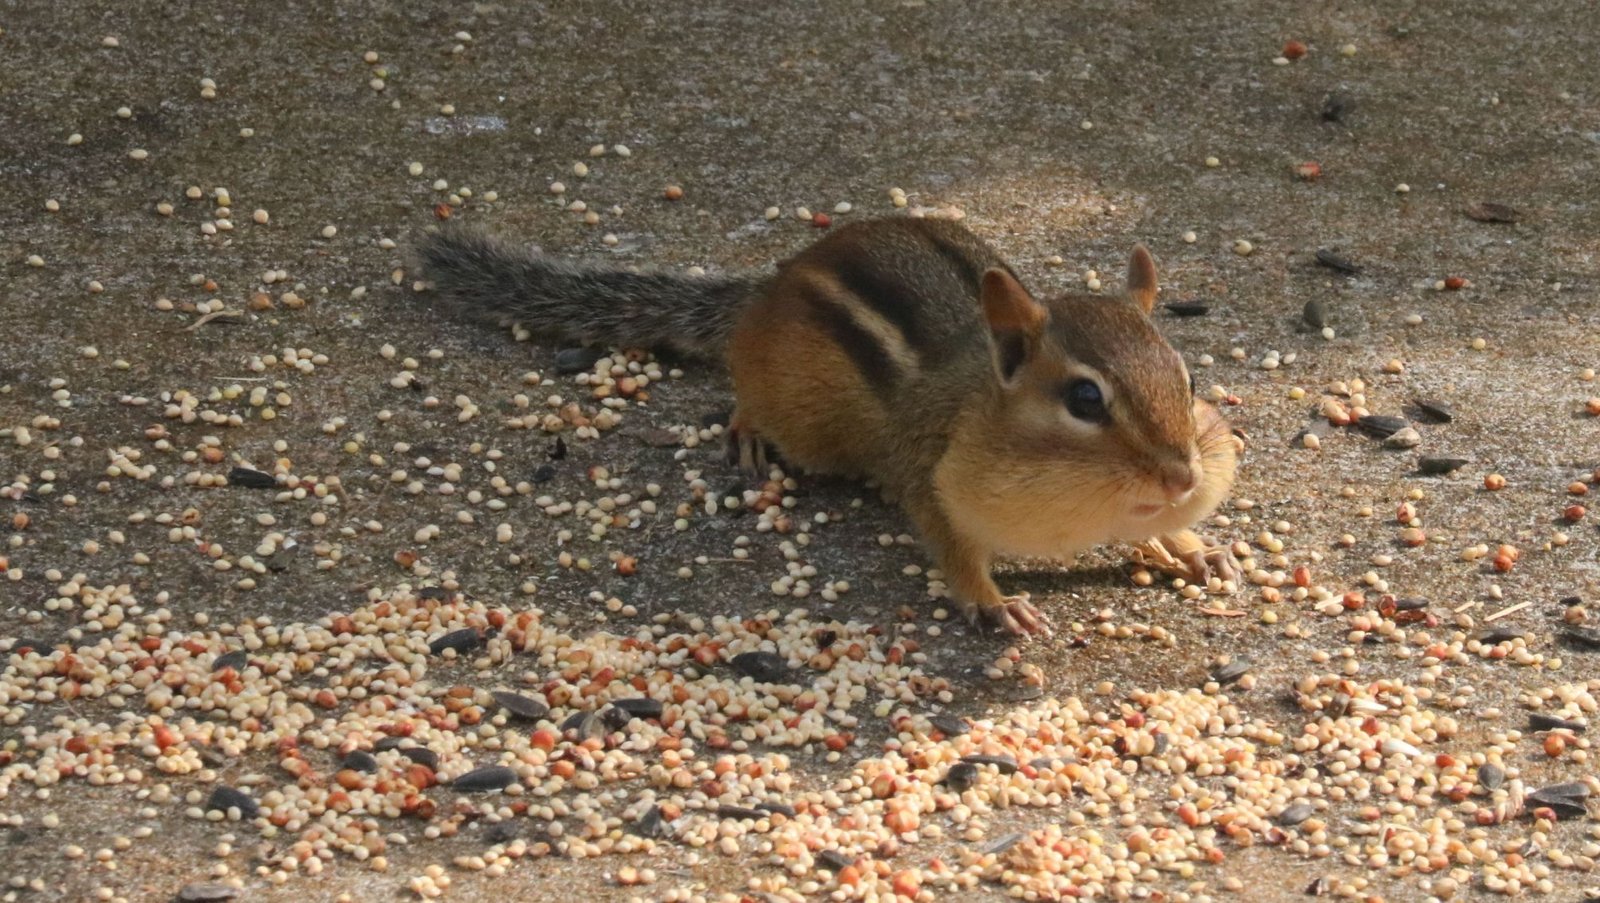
<point x="1538" y="721"/>
<point x="1381" y="426"/>
<point x="207" y="893"/>
<point x="1337" y="262"/>
<point x="1436" y="410"/>
<point x="1232" y="671"/>
<point x="520" y="707"/>
<point x="251" y="478"/>
<point x="1187" y="308"/>
<point x="650" y="824"/>
<point x="1582" y="637"/>
<point x="1439" y="465"/>
<point x="1001" y="844"/>
<point x="1294" y="815"/>
<point x="1491" y="776"/>
<point x="1490" y="212"/>
<point x="488" y="777"/>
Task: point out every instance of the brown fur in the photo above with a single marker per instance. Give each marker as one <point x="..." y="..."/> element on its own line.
<point x="906" y="351"/>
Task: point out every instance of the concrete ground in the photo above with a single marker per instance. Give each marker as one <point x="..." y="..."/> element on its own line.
<point x="1063" y="132"/>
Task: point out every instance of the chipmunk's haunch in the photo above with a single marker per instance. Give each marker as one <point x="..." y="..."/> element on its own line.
<point x="907" y="351"/>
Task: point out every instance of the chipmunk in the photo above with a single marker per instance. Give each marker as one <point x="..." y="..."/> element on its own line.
<point x="906" y="351"/>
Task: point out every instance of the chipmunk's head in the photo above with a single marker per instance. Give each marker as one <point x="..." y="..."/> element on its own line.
<point x="1096" y="407"/>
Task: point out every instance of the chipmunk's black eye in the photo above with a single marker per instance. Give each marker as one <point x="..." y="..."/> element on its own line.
<point x="1086" y="402"/>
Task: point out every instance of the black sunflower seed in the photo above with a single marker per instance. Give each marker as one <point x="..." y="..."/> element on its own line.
<point x="575" y="360"/>
<point x="949" y="725"/>
<point x="1381" y="426"/>
<point x="641" y="707"/>
<point x="488" y="777"/>
<point x="238" y="659"/>
<point x="224" y="798"/>
<point x="544" y="473"/>
<point x="249" y="478"/>
<point x="740" y="812"/>
<point x="1538" y="721"/>
<point x="464" y="640"/>
<point x="520" y="707"/>
<point x="1491" y="776"/>
<point x="421" y="755"/>
<point x="777" y="809"/>
<point x="1232" y="671"/>
<point x="1410" y="603"/>
<point x="961" y="777"/>
<point x="1006" y="764"/>
<point x="361" y="760"/>
<point x="834" y="860"/>
<point x="762" y="667"/>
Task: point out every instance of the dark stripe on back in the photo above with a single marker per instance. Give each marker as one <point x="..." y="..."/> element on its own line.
<point x="968" y="270"/>
<point x="870" y="359"/>
<point x="884" y="293"/>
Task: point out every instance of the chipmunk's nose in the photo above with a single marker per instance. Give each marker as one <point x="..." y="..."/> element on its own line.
<point x="1179" y="479"/>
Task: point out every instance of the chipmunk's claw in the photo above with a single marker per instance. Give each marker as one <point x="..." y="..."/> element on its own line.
<point x="1190" y="558"/>
<point x="1016" y="615"/>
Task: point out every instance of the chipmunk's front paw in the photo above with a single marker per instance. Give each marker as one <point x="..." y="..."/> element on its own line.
<point x="1187" y="556"/>
<point x="1015" y="614"/>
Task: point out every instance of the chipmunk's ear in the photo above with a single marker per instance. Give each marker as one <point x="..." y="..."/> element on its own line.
<point x="1142" y="278"/>
<point x="1015" y="319"/>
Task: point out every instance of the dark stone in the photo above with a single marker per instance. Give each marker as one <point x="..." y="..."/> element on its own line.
<point x="1315" y="313"/>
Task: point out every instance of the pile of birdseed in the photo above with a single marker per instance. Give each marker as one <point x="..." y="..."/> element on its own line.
<point x="423" y="711"/>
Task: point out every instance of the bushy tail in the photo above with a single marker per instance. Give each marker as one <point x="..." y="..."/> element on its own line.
<point x="569" y="301"/>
